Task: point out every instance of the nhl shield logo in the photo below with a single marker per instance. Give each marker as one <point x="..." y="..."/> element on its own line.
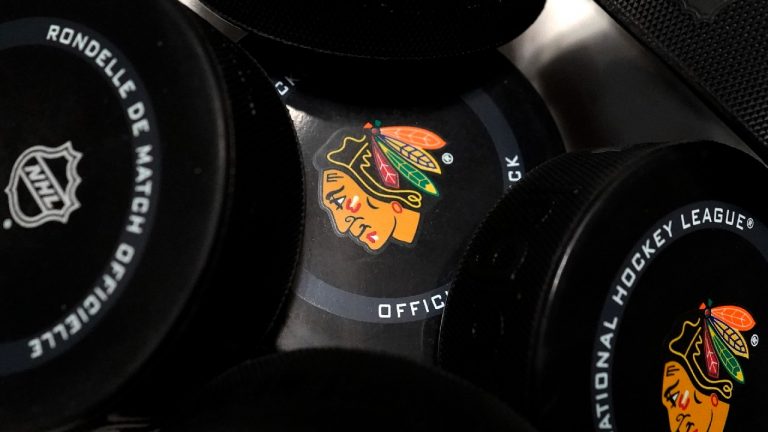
<point x="705" y="9"/>
<point x="43" y="184"/>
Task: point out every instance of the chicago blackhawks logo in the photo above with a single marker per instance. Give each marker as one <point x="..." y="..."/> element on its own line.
<point x="373" y="183"/>
<point x="43" y="184"/>
<point x="703" y="366"/>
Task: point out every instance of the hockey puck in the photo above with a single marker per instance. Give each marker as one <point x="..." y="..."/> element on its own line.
<point x="131" y="169"/>
<point x="400" y="167"/>
<point x="342" y="391"/>
<point x="387" y="30"/>
<point x="621" y="290"/>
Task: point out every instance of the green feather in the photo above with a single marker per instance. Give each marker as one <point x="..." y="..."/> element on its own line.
<point x="408" y="171"/>
<point x="727" y="359"/>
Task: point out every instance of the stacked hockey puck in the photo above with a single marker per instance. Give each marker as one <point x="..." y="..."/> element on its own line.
<point x="385" y="30"/>
<point x="339" y="390"/>
<point x="401" y="163"/>
<point x="134" y="169"/>
<point x="156" y="188"/>
<point x="403" y="155"/>
<point x="620" y="290"/>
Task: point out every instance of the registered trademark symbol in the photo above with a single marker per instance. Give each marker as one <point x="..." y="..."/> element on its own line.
<point x="7" y="224"/>
<point x="755" y="340"/>
<point x="750" y="223"/>
<point x="447" y="158"/>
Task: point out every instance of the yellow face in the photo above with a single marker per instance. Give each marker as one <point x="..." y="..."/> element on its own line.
<point x="690" y="410"/>
<point x="365" y="219"/>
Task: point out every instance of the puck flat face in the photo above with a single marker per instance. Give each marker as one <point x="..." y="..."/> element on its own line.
<point x="118" y="177"/>
<point x="644" y="314"/>
<point x="392" y="30"/>
<point x="307" y="389"/>
<point x="81" y="179"/>
<point x="711" y="375"/>
<point x="397" y="178"/>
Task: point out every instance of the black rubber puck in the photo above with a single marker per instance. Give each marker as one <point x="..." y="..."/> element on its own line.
<point x="397" y="29"/>
<point x="140" y="154"/>
<point x="621" y="290"/>
<point x="335" y="390"/>
<point x="718" y="47"/>
<point x="400" y="167"/>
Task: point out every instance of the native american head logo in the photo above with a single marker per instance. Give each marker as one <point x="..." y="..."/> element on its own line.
<point x="373" y="183"/>
<point x="703" y="366"/>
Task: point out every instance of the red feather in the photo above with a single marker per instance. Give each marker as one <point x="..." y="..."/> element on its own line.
<point x="387" y="173"/>
<point x="713" y="364"/>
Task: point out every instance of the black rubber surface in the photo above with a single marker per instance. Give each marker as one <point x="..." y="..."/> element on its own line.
<point x="399" y="29"/>
<point x="335" y="390"/>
